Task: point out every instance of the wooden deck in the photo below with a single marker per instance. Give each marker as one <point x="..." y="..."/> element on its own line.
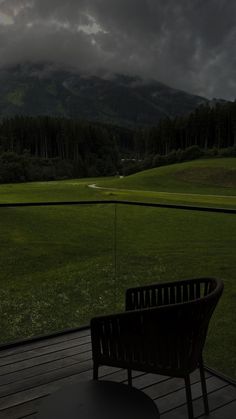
<point x="30" y="372"/>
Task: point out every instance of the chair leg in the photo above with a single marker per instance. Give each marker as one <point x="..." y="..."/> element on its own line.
<point x="189" y="397"/>
<point x="129" y="371"/>
<point x="95" y="371"/>
<point x="204" y="389"/>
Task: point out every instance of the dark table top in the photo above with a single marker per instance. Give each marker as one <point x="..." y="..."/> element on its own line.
<point x="98" y="400"/>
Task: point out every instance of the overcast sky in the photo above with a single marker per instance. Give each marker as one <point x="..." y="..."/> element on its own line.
<point x="187" y="44"/>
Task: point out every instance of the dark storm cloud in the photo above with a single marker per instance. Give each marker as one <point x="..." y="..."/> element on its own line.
<point x="189" y="44"/>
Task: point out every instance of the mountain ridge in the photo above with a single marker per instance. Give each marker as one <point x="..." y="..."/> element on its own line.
<point x="130" y="101"/>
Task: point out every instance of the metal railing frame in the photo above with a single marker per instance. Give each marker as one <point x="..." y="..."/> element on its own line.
<point x="134" y="203"/>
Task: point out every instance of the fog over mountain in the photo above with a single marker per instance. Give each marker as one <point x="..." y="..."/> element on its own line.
<point x="44" y="89"/>
<point x="187" y="44"/>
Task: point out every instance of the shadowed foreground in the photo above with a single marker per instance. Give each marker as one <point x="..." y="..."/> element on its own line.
<point x="30" y="372"/>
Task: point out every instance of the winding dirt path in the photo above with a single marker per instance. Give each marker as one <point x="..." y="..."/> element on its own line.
<point x="94" y="186"/>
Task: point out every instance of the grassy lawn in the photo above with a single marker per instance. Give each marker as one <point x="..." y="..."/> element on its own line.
<point x="66" y="190"/>
<point x="59" y="266"/>
<point x="50" y="261"/>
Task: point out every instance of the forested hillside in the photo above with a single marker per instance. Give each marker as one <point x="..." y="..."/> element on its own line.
<point x="209" y="126"/>
<point x="210" y="130"/>
<point x="42" y="148"/>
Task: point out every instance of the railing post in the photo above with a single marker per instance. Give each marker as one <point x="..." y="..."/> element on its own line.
<point x="115" y="253"/>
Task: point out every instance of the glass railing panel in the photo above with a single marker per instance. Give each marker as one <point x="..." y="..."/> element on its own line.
<point x="62" y="265"/>
<point x="157" y="244"/>
<point x="56" y="268"/>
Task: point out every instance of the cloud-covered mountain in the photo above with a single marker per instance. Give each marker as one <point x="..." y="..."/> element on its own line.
<point x="187" y="44"/>
<point x="43" y="89"/>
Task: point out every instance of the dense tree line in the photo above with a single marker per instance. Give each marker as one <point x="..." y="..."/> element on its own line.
<point x="34" y="148"/>
<point x="208" y="131"/>
<point x="43" y="148"/>
<point x="209" y="126"/>
<point x="48" y="137"/>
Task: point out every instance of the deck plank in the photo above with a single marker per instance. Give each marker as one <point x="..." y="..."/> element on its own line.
<point x="225" y="412"/>
<point x="218" y="401"/>
<point x="32" y="371"/>
<point x="45" y="378"/>
<point x="47" y="349"/>
<point x="21" y="365"/>
<point x="15" y="377"/>
<point x="178" y="398"/>
<point x="44" y="342"/>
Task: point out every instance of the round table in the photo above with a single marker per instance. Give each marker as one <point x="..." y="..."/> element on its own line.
<point x="98" y="400"/>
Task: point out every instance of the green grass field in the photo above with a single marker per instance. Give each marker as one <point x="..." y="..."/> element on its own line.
<point x="62" y="265"/>
<point x="205" y="176"/>
<point x="204" y="182"/>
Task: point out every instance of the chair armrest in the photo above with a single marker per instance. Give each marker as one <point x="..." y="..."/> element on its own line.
<point x="143" y="336"/>
<point x="111" y="335"/>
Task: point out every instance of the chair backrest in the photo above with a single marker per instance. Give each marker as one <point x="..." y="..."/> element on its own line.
<point x="164" y="330"/>
<point x="171" y="292"/>
<point x="174" y="329"/>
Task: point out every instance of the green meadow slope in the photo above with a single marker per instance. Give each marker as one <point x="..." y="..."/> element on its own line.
<point x="205" y="182"/>
<point x="198" y="176"/>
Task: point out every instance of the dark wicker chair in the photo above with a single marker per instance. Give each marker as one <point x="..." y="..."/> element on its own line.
<point x="163" y="331"/>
